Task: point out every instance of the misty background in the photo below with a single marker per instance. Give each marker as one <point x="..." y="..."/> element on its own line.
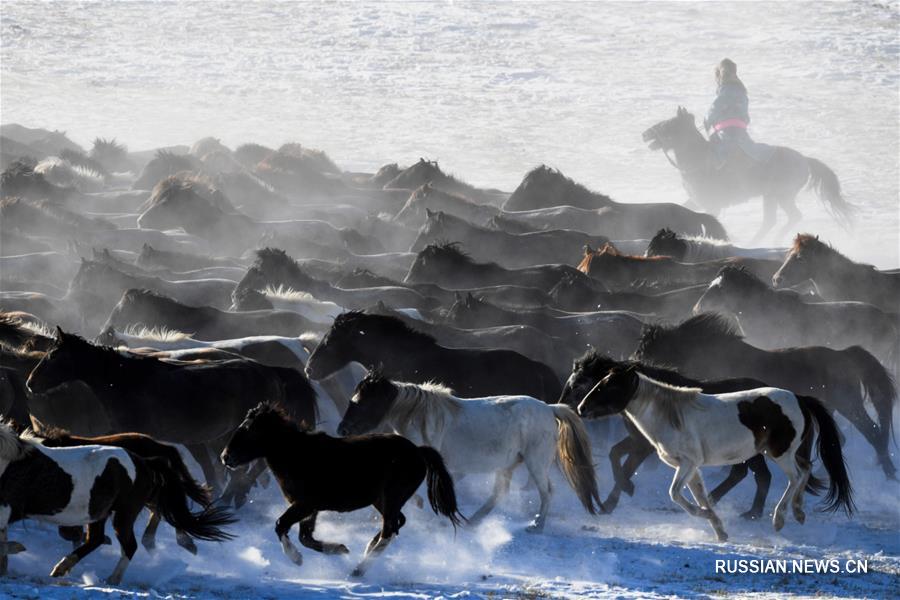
<point x="489" y="94"/>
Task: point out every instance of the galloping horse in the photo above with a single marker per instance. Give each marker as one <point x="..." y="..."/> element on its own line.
<point x="778" y="180"/>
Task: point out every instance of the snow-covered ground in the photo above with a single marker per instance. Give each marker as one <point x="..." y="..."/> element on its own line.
<point x="490" y="91"/>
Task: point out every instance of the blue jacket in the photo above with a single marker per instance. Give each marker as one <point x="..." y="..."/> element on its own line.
<point x="731" y="103"/>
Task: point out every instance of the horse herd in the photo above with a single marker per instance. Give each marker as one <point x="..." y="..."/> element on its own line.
<point x="362" y="334"/>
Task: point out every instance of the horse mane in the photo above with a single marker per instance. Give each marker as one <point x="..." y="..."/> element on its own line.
<point x="19" y="333"/>
<point x="424" y="406"/>
<point x="697" y="329"/>
<point x="390" y="326"/>
<point x="284" y="292"/>
<point x="156" y="334"/>
<point x="743" y="279"/>
<point x="192" y="187"/>
<point x="811" y="243"/>
<point x="670" y="399"/>
<point x="544" y="172"/>
<point x="276" y="257"/>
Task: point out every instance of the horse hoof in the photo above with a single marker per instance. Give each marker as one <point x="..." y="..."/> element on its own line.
<point x="721" y="536"/>
<point x="149" y="544"/>
<point x="12" y="548"/>
<point x="63" y="567"/>
<point x="778" y="523"/>
<point x="534" y="528"/>
<point x="336" y="549"/>
<point x="357" y="573"/>
<point x="800" y="516"/>
<point x="111" y="580"/>
<point x="752" y="515"/>
<point x="628" y="488"/>
<point x="107" y="541"/>
<point x="188" y="545"/>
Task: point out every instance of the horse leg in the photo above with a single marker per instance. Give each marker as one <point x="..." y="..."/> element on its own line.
<point x="620" y="476"/>
<point x="294" y="514"/>
<point x="789" y="205"/>
<point x="6" y="547"/>
<point x="763" y="479"/>
<point x="92" y="541"/>
<point x="241" y="482"/>
<point x="123" y="525"/>
<point x="698" y="491"/>
<point x="201" y="455"/>
<point x="639" y="452"/>
<point x="501" y="487"/>
<point x="391" y="523"/>
<point x="805" y="467"/>
<point x="148" y="539"/>
<point x="788" y="464"/>
<point x="735" y="476"/>
<point x="877" y="438"/>
<point x="540" y="474"/>
<point x="683" y="473"/>
<point x="307" y="527"/>
<point x="770" y="204"/>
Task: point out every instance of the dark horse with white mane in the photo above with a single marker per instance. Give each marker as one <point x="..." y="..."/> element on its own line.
<point x="777" y="180"/>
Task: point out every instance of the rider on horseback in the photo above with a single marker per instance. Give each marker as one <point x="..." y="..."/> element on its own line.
<point x="728" y="119"/>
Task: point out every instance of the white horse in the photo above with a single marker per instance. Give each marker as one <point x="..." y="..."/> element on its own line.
<point x="690" y="429"/>
<point x="482" y="435"/>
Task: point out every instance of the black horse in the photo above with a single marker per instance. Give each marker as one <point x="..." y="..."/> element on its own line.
<point x="778" y="181"/>
<point x="593" y="366"/>
<point x="615" y="332"/>
<point x="780" y="318"/>
<point x="317" y="472"/>
<point x="192" y="404"/>
<point x="573" y="294"/>
<point x="409" y="355"/>
<point x="448" y="266"/>
<point x="708" y="346"/>
<point x="274" y="268"/>
<point x="143" y="307"/>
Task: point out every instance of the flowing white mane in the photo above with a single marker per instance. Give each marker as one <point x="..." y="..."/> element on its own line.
<point x="157" y="334"/>
<point x="424" y="407"/>
<point x="283" y="292"/>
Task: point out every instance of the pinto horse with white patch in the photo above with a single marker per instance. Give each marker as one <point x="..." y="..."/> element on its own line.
<point x="84" y="485"/>
<point x="690" y="429"/>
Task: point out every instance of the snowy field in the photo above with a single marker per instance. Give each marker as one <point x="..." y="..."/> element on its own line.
<point x="490" y="91"/>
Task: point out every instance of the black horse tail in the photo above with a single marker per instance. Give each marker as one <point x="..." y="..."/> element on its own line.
<point x="573" y="450"/>
<point x="828" y="187"/>
<point x="840" y="492"/>
<point x="193" y="489"/>
<point x="441" y="494"/>
<point x="171" y="496"/>
<point x="878" y="385"/>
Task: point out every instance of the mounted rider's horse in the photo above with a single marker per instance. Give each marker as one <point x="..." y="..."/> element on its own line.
<point x="778" y="179"/>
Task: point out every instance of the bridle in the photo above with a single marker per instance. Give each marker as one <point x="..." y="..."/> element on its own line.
<point x="666" y="149"/>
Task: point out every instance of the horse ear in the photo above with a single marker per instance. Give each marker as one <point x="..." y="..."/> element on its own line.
<point x="59" y="333"/>
<point x="587" y="250"/>
<point x="428" y="212"/>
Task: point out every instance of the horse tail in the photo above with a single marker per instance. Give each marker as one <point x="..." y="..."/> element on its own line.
<point x="828" y="188"/>
<point x="441" y="494"/>
<point x="878" y="385"/>
<point x="170" y="495"/>
<point x="573" y="449"/>
<point x="840" y="492"/>
<point x="193" y="489"/>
